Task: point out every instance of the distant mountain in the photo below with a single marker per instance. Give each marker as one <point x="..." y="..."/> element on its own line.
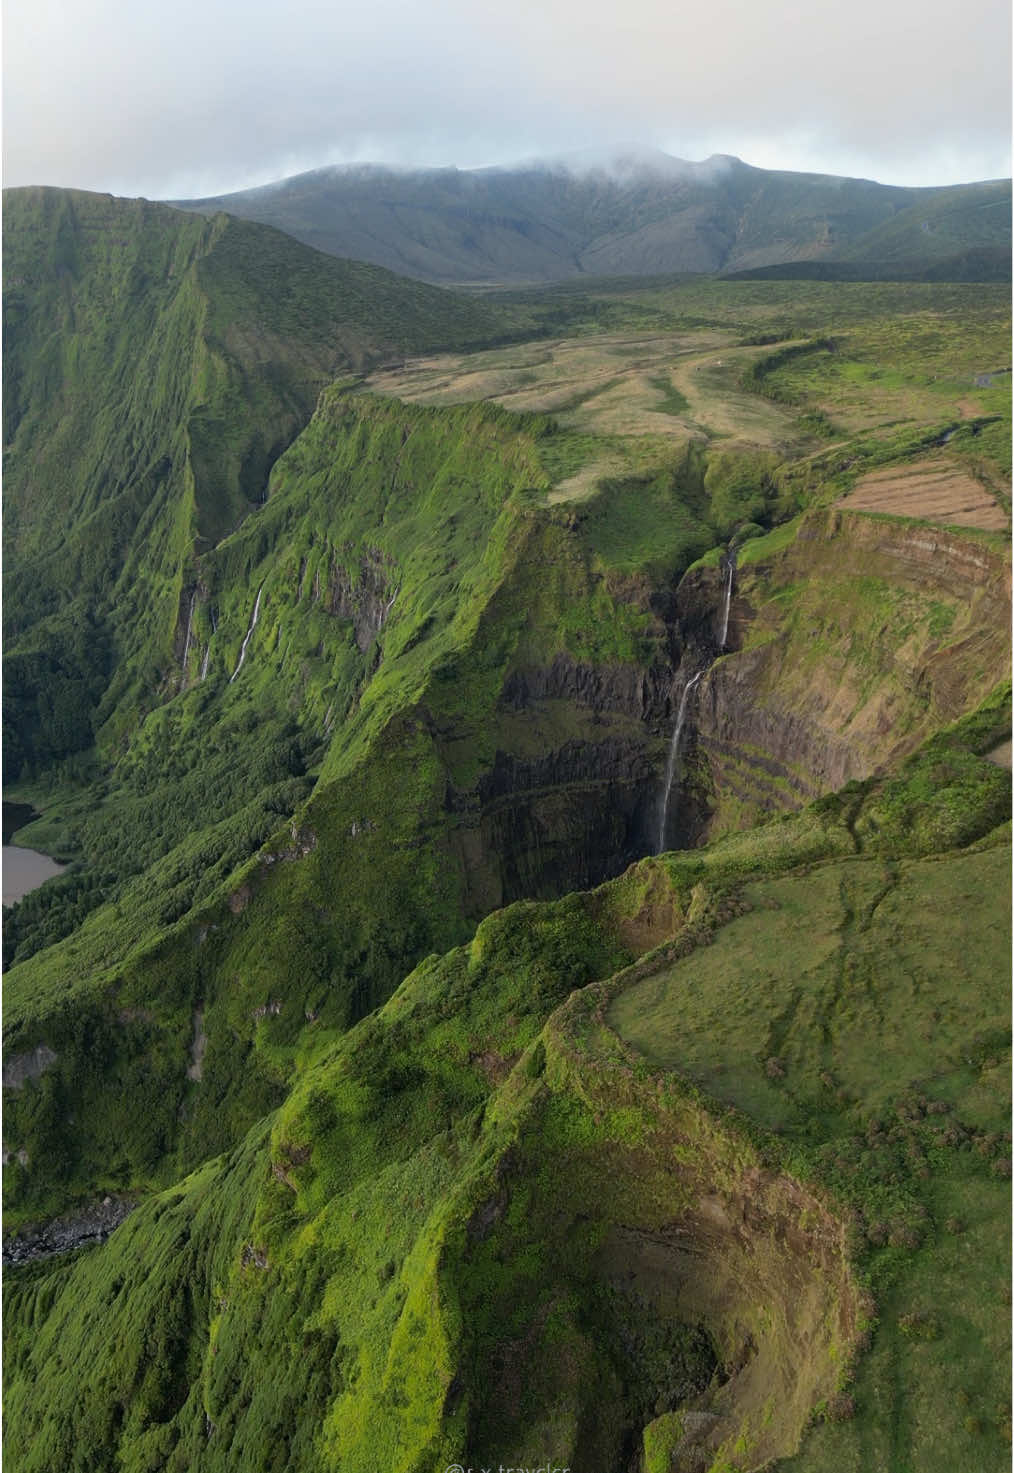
<point x="634" y="213"/>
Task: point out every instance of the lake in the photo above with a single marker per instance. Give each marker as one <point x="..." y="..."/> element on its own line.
<point x="23" y="869"/>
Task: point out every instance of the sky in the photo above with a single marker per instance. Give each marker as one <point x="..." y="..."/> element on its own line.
<point x="204" y="96"/>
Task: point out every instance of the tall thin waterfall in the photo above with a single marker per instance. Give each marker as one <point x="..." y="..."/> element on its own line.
<point x="729" y="569"/>
<point x="190" y="625"/>
<point x="253" y="626"/>
<point x="204" y="662"/>
<point x="671" y="766"/>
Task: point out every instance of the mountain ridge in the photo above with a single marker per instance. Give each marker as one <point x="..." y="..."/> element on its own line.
<point x="617" y="213"/>
<point x="155" y="367"/>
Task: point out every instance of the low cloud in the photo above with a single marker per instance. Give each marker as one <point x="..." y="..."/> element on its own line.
<point x="202" y="98"/>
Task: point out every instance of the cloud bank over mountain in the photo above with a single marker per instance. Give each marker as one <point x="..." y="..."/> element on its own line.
<point x="198" y="99"/>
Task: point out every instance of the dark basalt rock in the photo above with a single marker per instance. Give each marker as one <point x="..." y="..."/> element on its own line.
<point x="81" y="1229"/>
<point x="367" y="600"/>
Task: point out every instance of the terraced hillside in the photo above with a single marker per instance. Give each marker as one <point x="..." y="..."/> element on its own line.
<point x="351" y="991"/>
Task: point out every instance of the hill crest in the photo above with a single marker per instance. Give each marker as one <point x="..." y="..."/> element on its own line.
<point x="622" y="211"/>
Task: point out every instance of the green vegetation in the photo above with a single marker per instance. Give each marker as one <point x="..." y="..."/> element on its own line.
<point x="342" y="695"/>
<point x="156" y="365"/>
<point x="480" y="1175"/>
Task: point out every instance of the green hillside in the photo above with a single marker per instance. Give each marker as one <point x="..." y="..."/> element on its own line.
<point x="941" y="222"/>
<point x="639" y="213"/>
<point x="156" y="364"/>
<point x="514" y="1209"/>
<point x="455" y="1124"/>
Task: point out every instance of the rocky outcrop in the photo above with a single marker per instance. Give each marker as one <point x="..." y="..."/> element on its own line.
<point x="82" y="1229"/>
<point x="19" y="1068"/>
<point x="610" y="761"/>
<point x="628" y="690"/>
<point x="568" y="818"/>
<point x="843" y="651"/>
<point x="367" y="599"/>
<point x="917" y="552"/>
<point x="783" y="748"/>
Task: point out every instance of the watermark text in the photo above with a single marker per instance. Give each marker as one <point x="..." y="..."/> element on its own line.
<point x="547" y="1467"/>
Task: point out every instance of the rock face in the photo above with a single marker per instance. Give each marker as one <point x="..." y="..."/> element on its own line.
<point x="845" y="649"/>
<point x="19" y="1068"/>
<point x="368" y="600"/>
<point x="563" y="820"/>
<point x="849" y="648"/>
<point x="625" y="689"/>
<point x="540" y="822"/>
<point x="92" y="1224"/>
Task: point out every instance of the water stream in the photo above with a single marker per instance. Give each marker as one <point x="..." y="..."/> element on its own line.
<point x="672" y="766"/>
<point x="729" y="570"/>
<point x="253" y="626"/>
<point x="190" y="625"/>
<point x="674" y="751"/>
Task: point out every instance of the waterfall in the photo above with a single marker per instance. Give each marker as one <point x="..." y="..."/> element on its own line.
<point x="207" y="657"/>
<point x="190" y="624"/>
<point x="253" y="626"/>
<point x="671" y="766"/>
<point x="729" y="567"/>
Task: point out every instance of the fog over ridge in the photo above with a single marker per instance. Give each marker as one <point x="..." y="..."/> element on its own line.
<point x="211" y="98"/>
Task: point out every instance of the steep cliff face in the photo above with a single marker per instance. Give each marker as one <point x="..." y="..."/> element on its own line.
<point x="850" y="645"/>
<point x="461" y="772"/>
<point x="570" y="796"/>
<point x="156" y="367"/>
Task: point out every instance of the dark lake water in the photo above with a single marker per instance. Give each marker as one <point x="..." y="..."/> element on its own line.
<point x="23" y="869"/>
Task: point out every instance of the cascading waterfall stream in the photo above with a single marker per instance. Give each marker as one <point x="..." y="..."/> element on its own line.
<point x="672" y="766"/>
<point x="253" y="626"/>
<point x="673" y="763"/>
<point x="207" y="649"/>
<point x="729" y="570"/>
<point x="190" y="625"/>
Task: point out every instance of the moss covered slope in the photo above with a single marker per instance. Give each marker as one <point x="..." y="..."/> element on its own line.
<point x="155" y="366"/>
<point x="453" y="695"/>
<point x="545" y="1198"/>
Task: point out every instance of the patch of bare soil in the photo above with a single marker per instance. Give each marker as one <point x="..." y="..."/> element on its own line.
<point x="1001" y="755"/>
<point x="933" y="490"/>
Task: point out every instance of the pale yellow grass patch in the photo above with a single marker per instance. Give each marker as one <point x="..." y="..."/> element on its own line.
<point x="587" y="480"/>
<point x="710" y="384"/>
<point x="602" y="384"/>
<point x="935" y="490"/>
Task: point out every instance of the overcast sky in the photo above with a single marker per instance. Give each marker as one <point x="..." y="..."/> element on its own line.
<point x="203" y="96"/>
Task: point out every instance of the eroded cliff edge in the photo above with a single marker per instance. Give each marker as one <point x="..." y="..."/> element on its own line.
<point x="850" y="645"/>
